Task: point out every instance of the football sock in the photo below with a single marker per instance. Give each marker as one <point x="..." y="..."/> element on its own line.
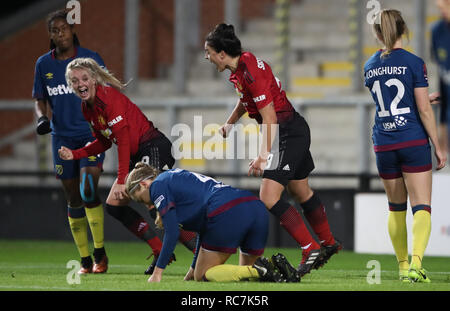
<point x="398" y="233"/>
<point x="86" y="262"/>
<point x="231" y="273"/>
<point x="314" y="212"/>
<point x="95" y="217"/>
<point x="78" y="226"/>
<point x="292" y="222"/>
<point x="99" y="253"/>
<point x="189" y="239"/>
<point x="421" y="230"/>
<point x="136" y="225"/>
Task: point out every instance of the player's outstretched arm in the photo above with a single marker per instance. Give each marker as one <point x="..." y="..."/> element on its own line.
<point x="269" y="132"/>
<point x="189" y="275"/>
<point x="237" y="113"/>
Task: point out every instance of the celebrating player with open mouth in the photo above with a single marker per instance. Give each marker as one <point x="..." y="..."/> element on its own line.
<point x="115" y="119"/>
<point x="404" y="124"/>
<point x="261" y="95"/>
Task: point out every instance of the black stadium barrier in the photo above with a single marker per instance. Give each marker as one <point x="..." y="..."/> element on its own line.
<point x="35" y="212"/>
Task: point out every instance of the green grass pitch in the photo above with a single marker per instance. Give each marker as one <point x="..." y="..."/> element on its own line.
<point x="41" y="266"/>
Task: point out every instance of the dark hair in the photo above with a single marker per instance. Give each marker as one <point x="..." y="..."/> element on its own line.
<point x="62" y="14"/>
<point x="223" y="38"/>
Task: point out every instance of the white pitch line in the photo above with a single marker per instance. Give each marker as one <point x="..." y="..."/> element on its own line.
<point x="36" y="287"/>
<point x="48" y="265"/>
<point x="383" y="271"/>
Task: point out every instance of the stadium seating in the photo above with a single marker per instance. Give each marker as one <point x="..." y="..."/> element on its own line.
<point x="319" y="67"/>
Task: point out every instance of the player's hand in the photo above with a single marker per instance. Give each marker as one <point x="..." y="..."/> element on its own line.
<point x="120" y="192"/>
<point x="65" y="153"/>
<point x="441" y="158"/>
<point x="256" y="167"/>
<point x="43" y="126"/>
<point x="225" y="129"/>
<point x="189" y="275"/>
<point x="156" y="276"/>
<point x="435" y="98"/>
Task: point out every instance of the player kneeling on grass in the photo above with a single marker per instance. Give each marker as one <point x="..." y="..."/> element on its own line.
<point x="225" y="218"/>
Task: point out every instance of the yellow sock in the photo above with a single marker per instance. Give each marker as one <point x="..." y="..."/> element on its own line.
<point x="78" y="226"/>
<point x="231" y="273"/>
<point x="399" y="237"/>
<point x="95" y="217"/>
<point x="421" y="234"/>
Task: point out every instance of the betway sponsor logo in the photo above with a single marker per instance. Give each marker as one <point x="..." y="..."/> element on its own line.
<point x="59" y="90"/>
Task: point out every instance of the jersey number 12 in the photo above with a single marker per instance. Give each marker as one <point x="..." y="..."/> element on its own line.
<point x="393" y="106"/>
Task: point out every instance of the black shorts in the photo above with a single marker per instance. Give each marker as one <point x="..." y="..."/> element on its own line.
<point x="156" y="152"/>
<point x="293" y="160"/>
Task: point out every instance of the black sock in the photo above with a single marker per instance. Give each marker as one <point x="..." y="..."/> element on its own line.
<point x="86" y="262"/>
<point x="98" y="254"/>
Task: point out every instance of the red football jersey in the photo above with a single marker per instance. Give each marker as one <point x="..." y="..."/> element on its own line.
<point x="256" y="87"/>
<point x="115" y="119"/>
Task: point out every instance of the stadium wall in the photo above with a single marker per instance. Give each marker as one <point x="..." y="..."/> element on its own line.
<point x="102" y="30"/>
<point x="41" y="214"/>
<point x="371" y="216"/>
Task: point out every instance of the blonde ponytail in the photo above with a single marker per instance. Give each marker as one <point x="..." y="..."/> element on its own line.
<point x="101" y="75"/>
<point x="390" y="29"/>
<point x="140" y="172"/>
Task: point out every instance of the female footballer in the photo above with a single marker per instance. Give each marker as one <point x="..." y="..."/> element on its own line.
<point x="115" y="119"/>
<point x="261" y="95"/>
<point x="440" y="43"/>
<point x="79" y="178"/>
<point x="224" y="217"/>
<point x="404" y="124"/>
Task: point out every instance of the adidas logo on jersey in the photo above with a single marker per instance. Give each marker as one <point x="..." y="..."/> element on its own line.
<point x="142" y="226"/>
<point x="286" y="168"/>
<point x="59" y="90"/>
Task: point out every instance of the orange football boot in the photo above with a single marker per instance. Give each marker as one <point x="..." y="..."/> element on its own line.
<point x="84" y="270"/>
<point x="102" y="266"/>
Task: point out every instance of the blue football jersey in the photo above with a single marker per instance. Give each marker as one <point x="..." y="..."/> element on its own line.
<point x="440" y="45"/>
<point x="391" y="81"/>
<point x="182" y="197"/>
<point x="50" y="84"/>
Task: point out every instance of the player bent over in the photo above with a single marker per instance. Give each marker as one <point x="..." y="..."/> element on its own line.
<point x="224" y="217"/>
